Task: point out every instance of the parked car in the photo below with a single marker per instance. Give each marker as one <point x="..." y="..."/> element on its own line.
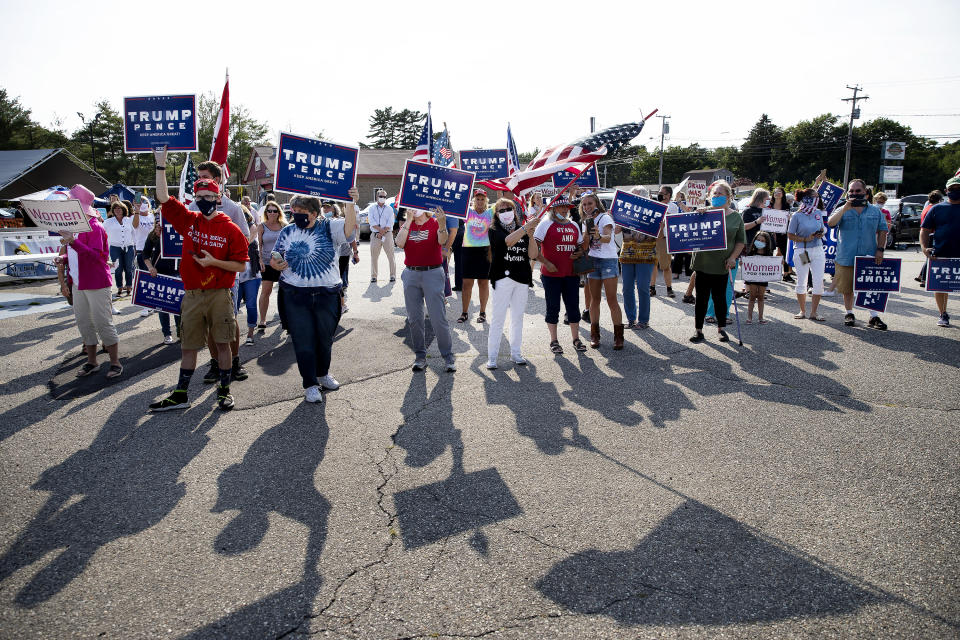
<point x="906" y="224"/>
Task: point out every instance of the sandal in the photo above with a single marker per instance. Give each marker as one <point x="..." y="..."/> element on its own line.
<point x="710" y="320"/>
<point x="86" y="370"/>
<point x="555" y="347"/>
<point x="115" y="371"/>
<point x="762" y="321"/>
<point x="481" y="317"/>
<point x="579" y="346"/>
<point x="462" y="318"/>
<point x="800" y="316"/>
<point x="748" y="321"/>
<point x="818" y="318"/>
<point x="261" y="328"/>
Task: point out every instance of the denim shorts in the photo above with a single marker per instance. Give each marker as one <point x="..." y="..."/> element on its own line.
<point x="604" y="268"/>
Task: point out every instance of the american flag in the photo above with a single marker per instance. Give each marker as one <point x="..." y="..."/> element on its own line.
<point x="187" y="177"/>
<point x="221" y="131"/>
<point x="442" y="154"/>
<point x="513" y="160"/>
<point x="424" y="150"/>
<point x="573" y="157"/>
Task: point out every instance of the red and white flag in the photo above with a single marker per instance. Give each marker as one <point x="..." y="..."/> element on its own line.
<point x="221" y="131"/>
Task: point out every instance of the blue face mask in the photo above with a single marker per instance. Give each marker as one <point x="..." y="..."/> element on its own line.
<point x="760" y="245"/>
<point x="301" y="220"/>
<point x="718" y="201"/>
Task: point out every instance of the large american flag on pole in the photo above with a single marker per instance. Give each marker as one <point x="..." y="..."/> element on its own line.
<point x="221" y="131"/>
<point x="572" y="157"/>
<point x="424" y="150"/>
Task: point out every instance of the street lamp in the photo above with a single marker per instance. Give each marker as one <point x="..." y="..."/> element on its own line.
<point x="93" y="153"/>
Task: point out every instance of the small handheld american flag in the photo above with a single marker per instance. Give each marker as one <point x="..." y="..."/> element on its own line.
<point x="187" y="177"/>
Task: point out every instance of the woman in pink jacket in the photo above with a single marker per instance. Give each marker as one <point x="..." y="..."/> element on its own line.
<point x="90" y="285"/>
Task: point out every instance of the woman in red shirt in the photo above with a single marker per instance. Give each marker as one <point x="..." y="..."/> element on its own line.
<point x="559" y="241"/>
<point x="421" y="237"/>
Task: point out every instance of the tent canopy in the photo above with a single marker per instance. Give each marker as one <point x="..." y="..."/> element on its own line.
<point x="122" y="191"/>
<point x="27" y="171"/>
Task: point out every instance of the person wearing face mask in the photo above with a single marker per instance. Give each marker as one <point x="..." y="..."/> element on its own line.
<point x="381" y="217"/>
<point x="940" y="236"/>
<point x="761" y="245"/>
<point x="511" y="248"/>
<point x="215" y="250"/>
<point x="863" y="232"/>
<point x="268" y="231"/>
<point x="209" y="170"/>
<point x="714" y="270"/>
<point x="558" y="241"/>
<point x="120" y="235"/>
<point x="310" y="280"/>
<point x="421" y="237"/>
<point x="806" y="230"/>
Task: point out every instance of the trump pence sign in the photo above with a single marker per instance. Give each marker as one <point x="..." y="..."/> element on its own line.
<point x="156" y="121"/>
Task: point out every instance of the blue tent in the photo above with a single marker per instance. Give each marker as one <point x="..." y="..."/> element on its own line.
<point x="122" y="191"/>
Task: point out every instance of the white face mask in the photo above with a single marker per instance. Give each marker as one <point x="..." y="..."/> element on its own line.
<point x="766" y="203"/>
<point x="381" y="201"/>
<point x="506" y="218"/>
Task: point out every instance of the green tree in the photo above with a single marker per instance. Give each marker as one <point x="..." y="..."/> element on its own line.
<point x="757" y="153"/>
<point x="391" y="129"/>
<point x="18" y="130"/>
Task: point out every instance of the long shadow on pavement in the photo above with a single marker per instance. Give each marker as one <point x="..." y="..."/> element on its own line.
<point x="123" y="483"/>
<point x="275" y="476"/>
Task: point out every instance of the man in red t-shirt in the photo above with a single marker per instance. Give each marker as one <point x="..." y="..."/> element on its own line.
<point x="214" y="251"/>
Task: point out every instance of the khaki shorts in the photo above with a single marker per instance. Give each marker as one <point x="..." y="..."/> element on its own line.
<point x="204" y="310"/>
<point x="663" y="258"/>
<point x="843" y="279"/>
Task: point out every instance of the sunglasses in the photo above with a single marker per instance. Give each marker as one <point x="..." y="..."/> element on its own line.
<point x="504" y="210"/>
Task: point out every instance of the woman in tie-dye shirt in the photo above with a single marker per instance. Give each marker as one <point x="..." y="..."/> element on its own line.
<point x="310" y="282"/>
<point x="476" y="255"/>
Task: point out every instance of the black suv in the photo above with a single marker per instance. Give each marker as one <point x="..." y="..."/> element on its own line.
<point x="906" y="224"/>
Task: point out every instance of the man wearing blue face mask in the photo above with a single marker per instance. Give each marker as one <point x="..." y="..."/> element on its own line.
<point x="940" y="236"/>
<point x="863" y="232"/>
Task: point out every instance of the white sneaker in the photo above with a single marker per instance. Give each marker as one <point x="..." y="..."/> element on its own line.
<point x="145" y="313"/>
<point x="116" y="311"/>
<point x="329" y="383"/>
<point x="828" y="293"/>
<point x="518" y="360"/>
<point x="167" y="339"/>
<point x="491" y="365"/>
<point x="312" y="394"/>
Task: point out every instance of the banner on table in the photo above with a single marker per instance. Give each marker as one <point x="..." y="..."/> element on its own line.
<point x="153" y="121"/>
<point x="761" y="269"/>
<point x="696" y="192"/>
<point x="586" y="180"/>
<point x="943" y="274"/>
<point x="159" y="292"/>
<point x="640" y="214"/>
<point x="705" y="231"/>
<point x="830" y="195"/>
<point x="315" y="167"/>
<point x="57" y="215"/>
<point x="873" y="300"/>
<point x="171" y="242"/>
<point x="427" y="186"/>
<point x="870" y="276"/>
<point x="487" y="164"/>
<point x="775" y="220"/>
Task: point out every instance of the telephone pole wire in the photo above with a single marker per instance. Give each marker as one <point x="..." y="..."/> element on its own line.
<point x="854" y="114"/>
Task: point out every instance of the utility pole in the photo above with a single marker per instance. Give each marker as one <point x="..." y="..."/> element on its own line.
<point x="664" y="129"/>
<point x="854" y="114"/>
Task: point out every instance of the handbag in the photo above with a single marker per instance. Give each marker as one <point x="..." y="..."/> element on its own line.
<point x="583" y="264"/>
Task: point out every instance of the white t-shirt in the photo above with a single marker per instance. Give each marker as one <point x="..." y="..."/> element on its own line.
<point x="140" y="233"/>
<point x="602" y="249"/>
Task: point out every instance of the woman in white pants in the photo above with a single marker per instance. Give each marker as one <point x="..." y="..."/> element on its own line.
<point x="806" y="229"/>
<point x="511" y="250"/>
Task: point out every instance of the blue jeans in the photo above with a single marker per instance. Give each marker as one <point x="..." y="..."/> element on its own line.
<point x="165" y="322"/>
<point x="313" y="314"/>
<point x="248" y="293"/>
<point x="565" y="288"/>
<point x="636" y="291"/>
<point x="123" y="256"/>
<point x="710" y="310"/>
